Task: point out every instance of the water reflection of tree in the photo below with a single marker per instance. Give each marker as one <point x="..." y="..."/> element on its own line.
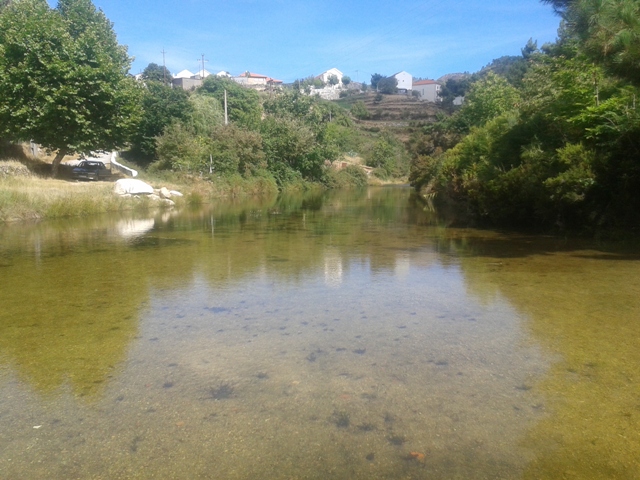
<point x="582" y="305"/>
<point x="71" y="301"/>
<point x="74" y="290"/>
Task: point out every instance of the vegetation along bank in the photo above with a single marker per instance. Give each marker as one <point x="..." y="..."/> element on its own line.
<point x="547" y="139"/>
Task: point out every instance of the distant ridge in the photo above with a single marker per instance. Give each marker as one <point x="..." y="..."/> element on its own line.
<point x="455" y="76"/>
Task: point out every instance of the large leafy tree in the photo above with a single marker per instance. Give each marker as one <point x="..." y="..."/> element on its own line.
<point x="161" y="106"/>
<point x="388" y="85"/>
<point x="375" y="78"/>
<point x="488" y="98"/>
<point x="243" y="103"/>
<point x="156" y="73"/>
<point x="63" y="78"/>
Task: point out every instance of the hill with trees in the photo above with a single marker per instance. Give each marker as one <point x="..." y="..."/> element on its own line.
<point x="552" y="140"/>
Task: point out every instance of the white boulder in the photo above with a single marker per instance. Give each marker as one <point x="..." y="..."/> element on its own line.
<point x="175" y="193"/>
<point x="133" y="187"/>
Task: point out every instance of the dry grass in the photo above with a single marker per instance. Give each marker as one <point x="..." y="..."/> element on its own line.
<point x="27" y="196"/>
<point x="23" y="198"/>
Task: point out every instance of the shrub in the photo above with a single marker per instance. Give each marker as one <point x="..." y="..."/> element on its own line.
<point x="179" y="149"/>
<point x="359" y="110"/>
<point x="350" y="176"/>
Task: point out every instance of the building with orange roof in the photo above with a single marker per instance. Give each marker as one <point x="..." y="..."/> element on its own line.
<point x="428" y="90"/>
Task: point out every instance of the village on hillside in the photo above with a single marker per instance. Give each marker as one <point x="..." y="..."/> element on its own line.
<point x="328" y="85"/>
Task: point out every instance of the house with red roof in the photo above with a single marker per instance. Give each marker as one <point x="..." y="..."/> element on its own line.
<point x="256" y="80"/>
<point x="428" y="90"/>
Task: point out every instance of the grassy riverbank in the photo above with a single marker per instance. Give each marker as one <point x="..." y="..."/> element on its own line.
<point x="26" y="193"/>
<point x="25" y="198"/>
<point x="31" y="197"/>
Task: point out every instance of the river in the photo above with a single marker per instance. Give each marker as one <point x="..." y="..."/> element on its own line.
<point x="344" y="335"/>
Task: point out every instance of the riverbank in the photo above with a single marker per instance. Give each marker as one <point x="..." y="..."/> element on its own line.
<point x="26" y="193"/>
<point x="30" y="197"/>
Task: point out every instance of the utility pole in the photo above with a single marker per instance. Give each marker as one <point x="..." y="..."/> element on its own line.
<point x="202" y="60"/>
<point x="164" y="68"/>
<point x="226" y="116"/>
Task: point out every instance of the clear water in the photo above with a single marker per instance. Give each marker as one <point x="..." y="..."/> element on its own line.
<point x="346" y="335"/>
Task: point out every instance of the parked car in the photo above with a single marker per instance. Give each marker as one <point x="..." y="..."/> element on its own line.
<point x="90" y="170"/>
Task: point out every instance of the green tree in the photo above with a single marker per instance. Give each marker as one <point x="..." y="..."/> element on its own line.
<point x="161" y="106"/>
<point x="359" y="110"/>
<point x="206" y="115"/>
<point x="317" y="83"/>
<point x="156" y="73"/>
<point x="512" y="68"/>
<point x="529" y="49"/>
<point x="375" y="78"/>
<point x="236" y="150"/>
<point x="346" y="80"/>
<point x="454" y="88"/>
<point x="243" y="104"/>
<point x="333" y="80"/>
<point x="610" y="34"/>
<point x="488" y="98"/>
<point x="388" y="85"/>
<point x="179" y="149"/>
<point x="63" y="78"/>
<point x="290" y="104"/>
<point x="290" y="149"/>
<point x="560" y="6"/>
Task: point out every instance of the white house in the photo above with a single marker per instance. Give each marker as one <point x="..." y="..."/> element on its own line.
<point x="332" y="72"/>
<point x="202" y="74"/>
<point x="184" y="74"/>
<point x="405" y="81"/>
<point x="429" y="90"/>
<point x="255" y="80"/>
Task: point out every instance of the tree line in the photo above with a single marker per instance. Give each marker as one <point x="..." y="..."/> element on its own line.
<point x="551" y="138"/>
<point x="64" y="84"/>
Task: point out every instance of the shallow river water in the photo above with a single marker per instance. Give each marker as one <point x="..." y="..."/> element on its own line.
<point x="345" y="335"/>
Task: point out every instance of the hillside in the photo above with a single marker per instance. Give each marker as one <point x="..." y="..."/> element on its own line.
<point x="393" y="110"/>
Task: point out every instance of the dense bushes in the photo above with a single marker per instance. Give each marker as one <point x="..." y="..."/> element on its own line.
<point x="290" y="138"/>
<point x="562" y="149"/>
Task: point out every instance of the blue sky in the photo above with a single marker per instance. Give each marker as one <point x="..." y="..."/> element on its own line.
<point x="289" y="39"/>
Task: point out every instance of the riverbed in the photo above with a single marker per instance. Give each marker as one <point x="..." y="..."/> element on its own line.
<point x="343" y="335"/>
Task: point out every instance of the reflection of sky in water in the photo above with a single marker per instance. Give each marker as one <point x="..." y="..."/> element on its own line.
<point x="133" y="227"/>
<point x="330" y="344"/>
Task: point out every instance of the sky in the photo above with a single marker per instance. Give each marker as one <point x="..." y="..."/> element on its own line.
<point x="290" y="39"/>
